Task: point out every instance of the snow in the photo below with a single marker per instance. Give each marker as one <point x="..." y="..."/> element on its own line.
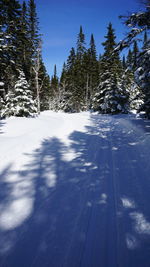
<point x="74" y="190"/>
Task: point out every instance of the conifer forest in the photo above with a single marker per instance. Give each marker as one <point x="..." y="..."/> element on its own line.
<point x="108" y="83"/>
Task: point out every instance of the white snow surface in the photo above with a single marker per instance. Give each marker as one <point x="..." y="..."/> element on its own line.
<point x="75" y="190"/>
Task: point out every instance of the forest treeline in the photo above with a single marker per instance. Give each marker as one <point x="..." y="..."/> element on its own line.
<point x="107" y="83"/>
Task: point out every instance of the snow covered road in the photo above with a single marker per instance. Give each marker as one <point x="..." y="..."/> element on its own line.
<point x="75" y="191"/>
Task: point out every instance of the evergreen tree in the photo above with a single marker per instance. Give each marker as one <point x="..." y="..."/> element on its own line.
<point x="9" y="21"/>
<point x="80" y="44"/>
<point x="9" y="109"/>
<point x="55" y="89"/>
<point x="93" y="69"/>
<point x="110" y="98"/>
<point x="55" y="81"/>
<point x="124" y="63"/>
<point x="45" y="87"/>
<point x="135" y="54"/>
<point x="142" y="77"/>
<point x="129" y="61"/>
<point x="145" y="41"/>
<point x="63" y="74"/>
<point x="20" y="102"/>
<point x="140" y="22"/>
<point x="33" y="27"/>
<point x="2" y="103"/>
<point x="80" y="77"/>
<point x="68" y="81"/>
<point x="34" y="43"/>
<point x="23" y="44"/>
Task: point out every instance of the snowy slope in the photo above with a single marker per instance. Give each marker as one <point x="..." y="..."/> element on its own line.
<point x="75" y="191"/>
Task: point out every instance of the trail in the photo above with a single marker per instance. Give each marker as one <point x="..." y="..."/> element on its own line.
<point x="74" y="191"/>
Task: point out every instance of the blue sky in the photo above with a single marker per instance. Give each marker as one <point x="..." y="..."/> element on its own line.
<point x="60" y="21"/>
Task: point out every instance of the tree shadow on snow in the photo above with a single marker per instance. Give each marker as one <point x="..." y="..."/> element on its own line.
<point x="1" y="126"/>
<point x="130" y="145"/>
<point x="70" y="208"/>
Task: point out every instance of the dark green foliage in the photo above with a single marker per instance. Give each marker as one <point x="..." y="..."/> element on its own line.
<point x="19" y="42"/>
<point x="140" y="22"/>
<point x="106" y="84"/>
<point x="80" y="76"/>
<point x="124" y="65"/>
<point x="110" y="97"/>
<point x="45" y="87"/>
<point x="145" y="41"/>
<point x="135" y="55"/>
<point x="55" y="81"/>
<point x="129" y="61"/>
<point x="33" y="28"/>
<point x="80" y="44"/>
<point x="93" y="72"/>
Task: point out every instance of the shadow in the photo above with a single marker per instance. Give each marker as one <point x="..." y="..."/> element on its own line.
<point x="141" y="123"/>
<point x="5" y="187"/>
<point x="130" y="145"/>
<point x="1" y="125"/>
<point x="83" y="204"/>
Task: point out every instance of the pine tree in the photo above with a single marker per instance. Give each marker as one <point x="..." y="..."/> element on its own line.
<point x="68" y="80"/>
<point x="33" y="27"/>
<point x="34" y="39"/>
<point x="80" y="68"/>
<point x="140" y="22"/>
<point x="80" y="44"/>
<point x="135" y="54"/>
<point x="20" y="102"/>
<point x="93" y="69"/>
<point x="124" y="63"/>
<point x="2" y="103"/>
<point x="45" y="87"/>
<point x="63" y="74"/>
<point x="55" y="81"/>
<point x="110" y="98"/>
<point x="55" y="89"/>
<point x="145" y="41"/>
<point x="9" y="21"/>
<point x="23" y="43"/>
<point x="129" y="61"/>
<point x="142" y="77"/>
<point x="9" y="109"/>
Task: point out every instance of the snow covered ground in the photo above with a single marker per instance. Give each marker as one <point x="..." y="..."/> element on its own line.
<point x="75" y="191"/>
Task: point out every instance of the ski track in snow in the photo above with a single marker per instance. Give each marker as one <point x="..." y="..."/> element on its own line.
<point x="75" y="191"/>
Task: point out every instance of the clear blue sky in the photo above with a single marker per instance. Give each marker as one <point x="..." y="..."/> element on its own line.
<point x="60" y="21"/>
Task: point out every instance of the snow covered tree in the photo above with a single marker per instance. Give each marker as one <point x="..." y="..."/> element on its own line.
<point x="145" y="41"/>
<point x="111" y="96"/>
<point x="23" y="44"/>
<point x="129" y="61"/>
<point x="2" y="103"/>
<point x="139" y="22"/>
<point x="92" y="68"/>
<point x="44" y="87"/>
<point x="135" y="55"/>
<point x="33" y="27"/>
<point x="20" y="103"/>
<point x="142" y="77"/>
<point x="9" y="19"/>
<point x="9" y="109"/>
<point x="68" y="83"/>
